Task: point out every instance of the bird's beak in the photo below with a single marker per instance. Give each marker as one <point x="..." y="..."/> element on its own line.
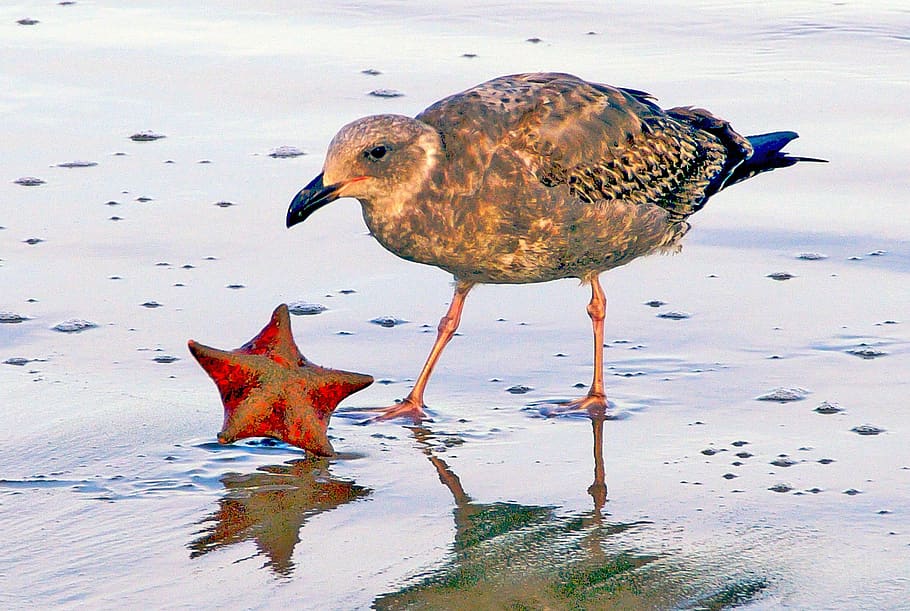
<point x="311" y="198"/>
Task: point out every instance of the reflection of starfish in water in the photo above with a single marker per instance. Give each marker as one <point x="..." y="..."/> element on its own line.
<point x="507" y="555"/>
<point x="269" y="389"/>
<point x="271" y="506"/>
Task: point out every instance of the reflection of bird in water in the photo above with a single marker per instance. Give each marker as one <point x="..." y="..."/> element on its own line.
<point x="511" y="556"/>
<point x="271" y="506"/>
<point x="534" y="177"/>
<point x="508" y="555"/>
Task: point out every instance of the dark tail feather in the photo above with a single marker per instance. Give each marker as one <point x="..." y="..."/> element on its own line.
<point x="766" y="156"/>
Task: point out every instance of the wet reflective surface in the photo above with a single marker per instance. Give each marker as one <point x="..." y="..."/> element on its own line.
<point x="270" y="506"/>
<point x="113" y="490"/>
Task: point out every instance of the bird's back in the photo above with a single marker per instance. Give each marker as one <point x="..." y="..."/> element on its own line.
<point x="605" y="143"/>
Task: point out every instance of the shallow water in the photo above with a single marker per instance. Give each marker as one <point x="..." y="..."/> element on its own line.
<point x="113" y="489"/>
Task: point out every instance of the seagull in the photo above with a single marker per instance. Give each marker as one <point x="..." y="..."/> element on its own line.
<point x="530" y="178"/>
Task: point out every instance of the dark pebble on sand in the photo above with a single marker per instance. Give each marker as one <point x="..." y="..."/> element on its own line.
<point x="744" y="455"/>
<point x="344" y="333"/>
<point x="469" y="55"/>
<point x="12" y="317"/>
<point x="225" y="204"/>
<point x="867" y="429"/>
<point x="826" y="407"/>
<point x="17" y="360"/>
<point x="143" y="199"/>
<point x="347" y="291"/>
<point x="781" y="488"/>
<point x="75" y="325"/>
<point x="877" y="253"/>
<point x="303" y="308"/>
<point x="236" y="286"/>
<point x="730" y="476"/>
<point x="710" y="451"/>
<point x="115" y="218"/>
<point x="739" y="444"/>
<point x="151" y="304"/>
<point x="674" y="315"/>
<point x="29" y="181"/>
<point x="383" y="436"/>
<point x="146" y="136"/>
<point x="784" y="395"/>
<point x="33" y="241"/>
<point x="852" y="491"/>
<point x="811" y="256"/>
<point x="655" y="303"/>
<point x="77" y="164"/>
<point x="534" y="40"/>
<point x="286" y="152"/>
<point x="28" y="21"/>
<point x="866" y="352"/>
<point x="781" y="276"/>
<point x="825" y="461"/>
<point x="783" y="462"/>
<point x="371" y="72"/>
<point x="386" y="93"/>
<point x="387" y="321"/>
<point x="518" y="389"/>
<point x="165" y="358"/>
<point x="111" y="203"/>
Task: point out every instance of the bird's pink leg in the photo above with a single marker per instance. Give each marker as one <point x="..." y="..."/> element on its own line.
<point x="595" y="402"/>
<point x="412" y="406"/>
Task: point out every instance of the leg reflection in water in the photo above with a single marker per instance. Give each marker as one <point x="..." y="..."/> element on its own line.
<point x="509" y="555"/>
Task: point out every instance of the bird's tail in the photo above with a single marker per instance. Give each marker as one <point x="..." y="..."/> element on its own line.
<point x="766" y="156"/>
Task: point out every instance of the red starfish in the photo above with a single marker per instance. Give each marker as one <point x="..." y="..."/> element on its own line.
<point x="269" y="389"/>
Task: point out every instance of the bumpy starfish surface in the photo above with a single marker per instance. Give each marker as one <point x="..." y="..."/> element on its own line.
<point x="269" y="389"/>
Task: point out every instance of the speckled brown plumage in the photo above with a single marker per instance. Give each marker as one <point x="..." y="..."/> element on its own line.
<point x="534" y="177"/>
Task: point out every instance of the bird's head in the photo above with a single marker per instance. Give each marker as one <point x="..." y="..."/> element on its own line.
<point x="381" y="160"/>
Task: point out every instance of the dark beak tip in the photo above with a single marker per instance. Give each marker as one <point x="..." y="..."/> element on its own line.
<point x="292" y="218"/>
<point x="312" y="197"/>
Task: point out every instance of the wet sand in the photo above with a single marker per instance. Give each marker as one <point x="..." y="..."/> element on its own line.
<point x="760" y="453"/>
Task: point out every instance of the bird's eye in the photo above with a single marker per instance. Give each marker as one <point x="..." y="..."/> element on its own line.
<point x="377" y="152"/>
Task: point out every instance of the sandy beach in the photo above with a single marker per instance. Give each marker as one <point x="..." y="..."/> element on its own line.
<point x="759" y="455"/>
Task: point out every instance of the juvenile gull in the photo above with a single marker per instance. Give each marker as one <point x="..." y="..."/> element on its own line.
<point x="534" y="177"/>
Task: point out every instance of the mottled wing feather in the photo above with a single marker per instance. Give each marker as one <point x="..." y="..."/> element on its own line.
<point x="605" y="143"/>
